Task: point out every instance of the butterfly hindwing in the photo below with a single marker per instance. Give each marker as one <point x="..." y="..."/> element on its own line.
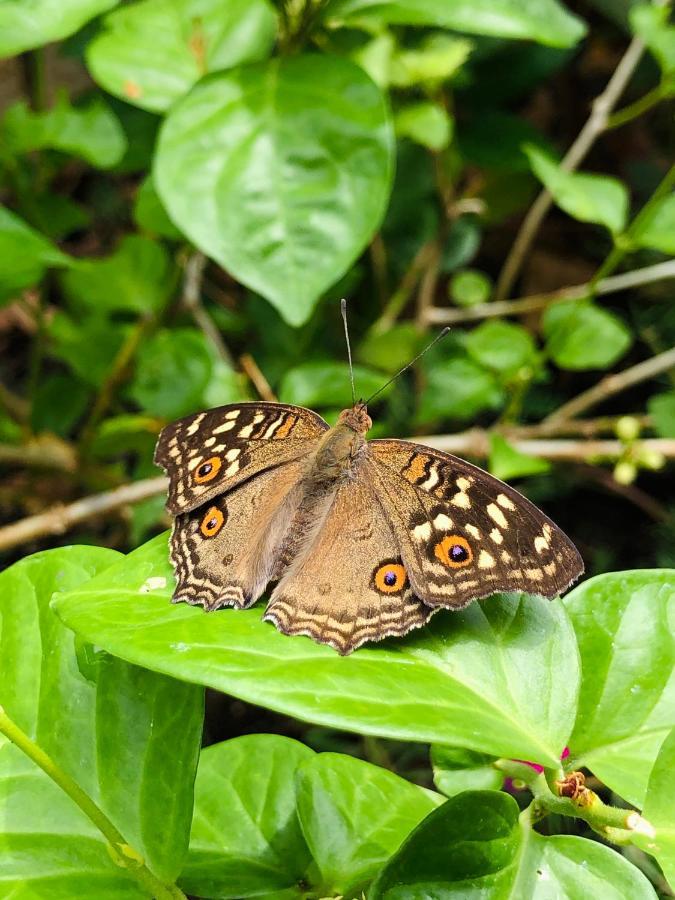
<point x="463" y="533"/>
<point x="348" y="583"/>
<point x="224" y="551"/>
<point x="209" y="453"/>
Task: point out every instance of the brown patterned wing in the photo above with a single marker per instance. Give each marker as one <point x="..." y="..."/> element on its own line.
<point x="348" y="584"/>
<point x="211" y="452"/>
<point x="224" y="552"/>
<point x="463" y="533"/>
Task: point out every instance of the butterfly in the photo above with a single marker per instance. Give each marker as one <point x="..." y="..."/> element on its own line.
<point x="362" y="539"/>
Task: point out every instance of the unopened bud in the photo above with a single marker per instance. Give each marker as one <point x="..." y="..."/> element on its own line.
<point x="625" y="472"/>
<point x="627" y="428"/>
<point x="652" y="459"/>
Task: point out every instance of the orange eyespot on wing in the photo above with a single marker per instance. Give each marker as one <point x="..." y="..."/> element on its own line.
<point x="212" y="522"/>
<point x="454" y="551"/>
<point x="208" y="470"/>
<point x="390" y="578"/>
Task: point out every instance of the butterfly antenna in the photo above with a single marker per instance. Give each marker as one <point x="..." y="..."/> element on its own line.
<point x="343" y="311"/>
<point x="408" y="365"/>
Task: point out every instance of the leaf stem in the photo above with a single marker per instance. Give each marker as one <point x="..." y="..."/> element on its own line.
<point x="645" y="103"/>
<point x="569" y="796"/>
<point x="122" y="853"/>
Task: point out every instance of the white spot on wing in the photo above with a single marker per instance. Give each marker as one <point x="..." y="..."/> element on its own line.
<point x="506" y="502"/>
<point x="496" y="536"/>
<point x="485" y="561"/>
<point x="462" y="500"/>
<point x="442" y="522"/>
<point x="226" y="426"/>
<point x="540" y="544"/>
<point x="473" y="531"/>
<point x="195" y="425"/>
<point x="497" y="515"/>
<point x="423" y="531"/>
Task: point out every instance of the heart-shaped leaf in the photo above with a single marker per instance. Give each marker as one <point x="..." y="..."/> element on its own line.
<point x="499" y="677"/>
<point x="281" y="172"/>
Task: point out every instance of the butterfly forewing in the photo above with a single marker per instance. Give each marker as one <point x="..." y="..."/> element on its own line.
<point x="211" y="452"/>
<point x="463" y="533"/>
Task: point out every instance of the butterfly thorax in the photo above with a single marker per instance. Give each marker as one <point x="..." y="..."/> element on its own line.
<point x="341" y="448"/>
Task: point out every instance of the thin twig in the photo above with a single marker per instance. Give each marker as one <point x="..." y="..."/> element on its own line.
<point x="613" y="284"/>
<point x="46" y="451"/>
<point x="475" y="443"/>
<point x="257" y="378"/>
<point x="192" y="301"/>
<point x="614" y="384"/>
<point x="427" y="291"/>
<point x="595" y="125"/>
<point x="403" y="292"/>
<point x="60" y="518"/>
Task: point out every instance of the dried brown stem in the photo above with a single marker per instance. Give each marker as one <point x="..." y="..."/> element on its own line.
<point x="614" y="384"/>
<point x="611" y="285"/>
<point x="61" y="518"/>
<point x="257" y="378"/>
<point x="192" y="301"/>
<point x="595" y="125"/>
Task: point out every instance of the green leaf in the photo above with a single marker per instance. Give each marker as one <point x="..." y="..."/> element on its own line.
<point x="656" y="229"/>
<point x="651" y="23"/>
<point x="327" y="384"/>
<point x="426" y="123"/>
<point x="60" y="401"/>
<point x="458" y="389"/>
<point x="135" y="278"/>
<point x="246" y="838"/>
<point x="24" y="255"/>
<point x="150" y="215"/>
<point x="106" y="723"/>
<point x="390" y="350"/>
<point x="471" y="677"/>
<point x="589" y="198"/>
<point x="502" y="346"/>
<point x="456" y="770"/>
<point x="23" y="26"/>
<point x="661" y="408"/>
<point x="437" y="59"/>
<point x="581" y="335"/>
<point x="289" y="177"/>
<point x="470" y="288"/>
<point x="179" y="372"/>
<point x="545" y="21"/>
<point x="92" y="132"/>
<point x="151" y="54"/>
<point x="354" y="816"/>
<point x="507" y="462"/>
<point x="474" y="846"/>
<point x="627" y="700"/>
<point x="88" y="346"/>
<point x="658" y="809"/>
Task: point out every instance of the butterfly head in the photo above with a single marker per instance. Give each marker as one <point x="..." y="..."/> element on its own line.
<point x="356" y="418"/>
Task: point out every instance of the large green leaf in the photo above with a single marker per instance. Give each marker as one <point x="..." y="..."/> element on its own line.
<point x="545" y="21"/>
<point x="107" y="724"/>
<point x="24" y="25"/>
<point x="281" y="172"/>
<point x="501" y="676"/>
<point x="354" y="816"/>
<point x="503" y="346"/>
<point x="659" y="810"/>
<point x="624" y="623"/>
<point x="246" y="838"/>
<point x="92" y="132"/>
<point x="475" y="847"/>
<point x="458" y="388"/>
<point x="581" y="335"/>
<point x="24" y="255"/>
<point x="151" y="53"/>
<point x="589" y="198"/>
